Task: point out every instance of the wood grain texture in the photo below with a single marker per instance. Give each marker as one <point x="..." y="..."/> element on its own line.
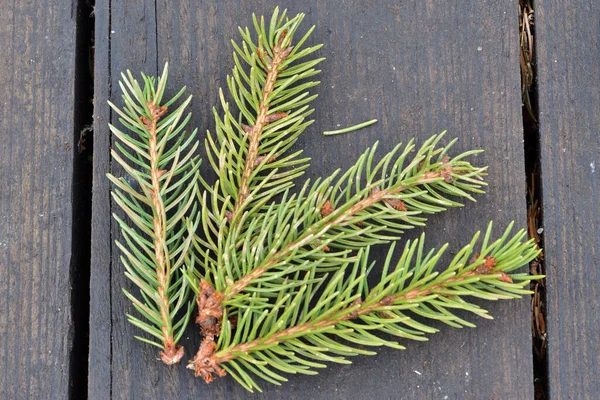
<point x="568" y="64"/>
<point x="420" y="67"/>
<point x="37" y="62"/>
<point x="100" y="264"/>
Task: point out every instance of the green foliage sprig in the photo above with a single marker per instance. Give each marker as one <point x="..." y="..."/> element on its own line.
<point x="159" y="202"/>
<point x="297" y="333"/>
<point x="280" y="273"/>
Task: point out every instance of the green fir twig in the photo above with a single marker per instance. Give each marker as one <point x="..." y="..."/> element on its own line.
<point x="159" y="201"/>
<point x="298" y="334"/>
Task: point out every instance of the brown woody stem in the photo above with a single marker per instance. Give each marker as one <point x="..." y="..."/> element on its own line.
<point x="171" y="353"/>
<point x="207" y="362"/>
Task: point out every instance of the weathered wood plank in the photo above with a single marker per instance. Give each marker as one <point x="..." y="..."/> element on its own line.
<point x="37" y="78"/>
<point x="568" y="65"/>
<point x="99" y="381"/>
<point x="420" y="68"/>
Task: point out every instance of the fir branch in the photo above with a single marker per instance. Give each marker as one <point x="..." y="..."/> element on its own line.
<point x="240" y="214"/>
<point x="161" y="208"/>
<point x="248" y="153"/>
<point x="296" y="335"/>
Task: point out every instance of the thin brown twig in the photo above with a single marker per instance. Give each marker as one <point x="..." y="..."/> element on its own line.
<point x="171" y="353"/>
<point x="526" y="21"/>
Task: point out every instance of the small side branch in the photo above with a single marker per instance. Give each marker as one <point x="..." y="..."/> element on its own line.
<point x="263" y="118"/>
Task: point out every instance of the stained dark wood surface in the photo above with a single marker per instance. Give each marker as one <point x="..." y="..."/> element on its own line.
<point x="100" y="351"/>
<point x="419" y="67"/>
<point x="568" y="37"/>
<point x="37" y="79"/>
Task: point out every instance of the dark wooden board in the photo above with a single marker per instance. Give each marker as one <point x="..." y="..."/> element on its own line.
<point x="37" y="122"/>
<point x="100" y="265"/>
<point x="568" y="64"/>
<point x="420" y="68"/>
